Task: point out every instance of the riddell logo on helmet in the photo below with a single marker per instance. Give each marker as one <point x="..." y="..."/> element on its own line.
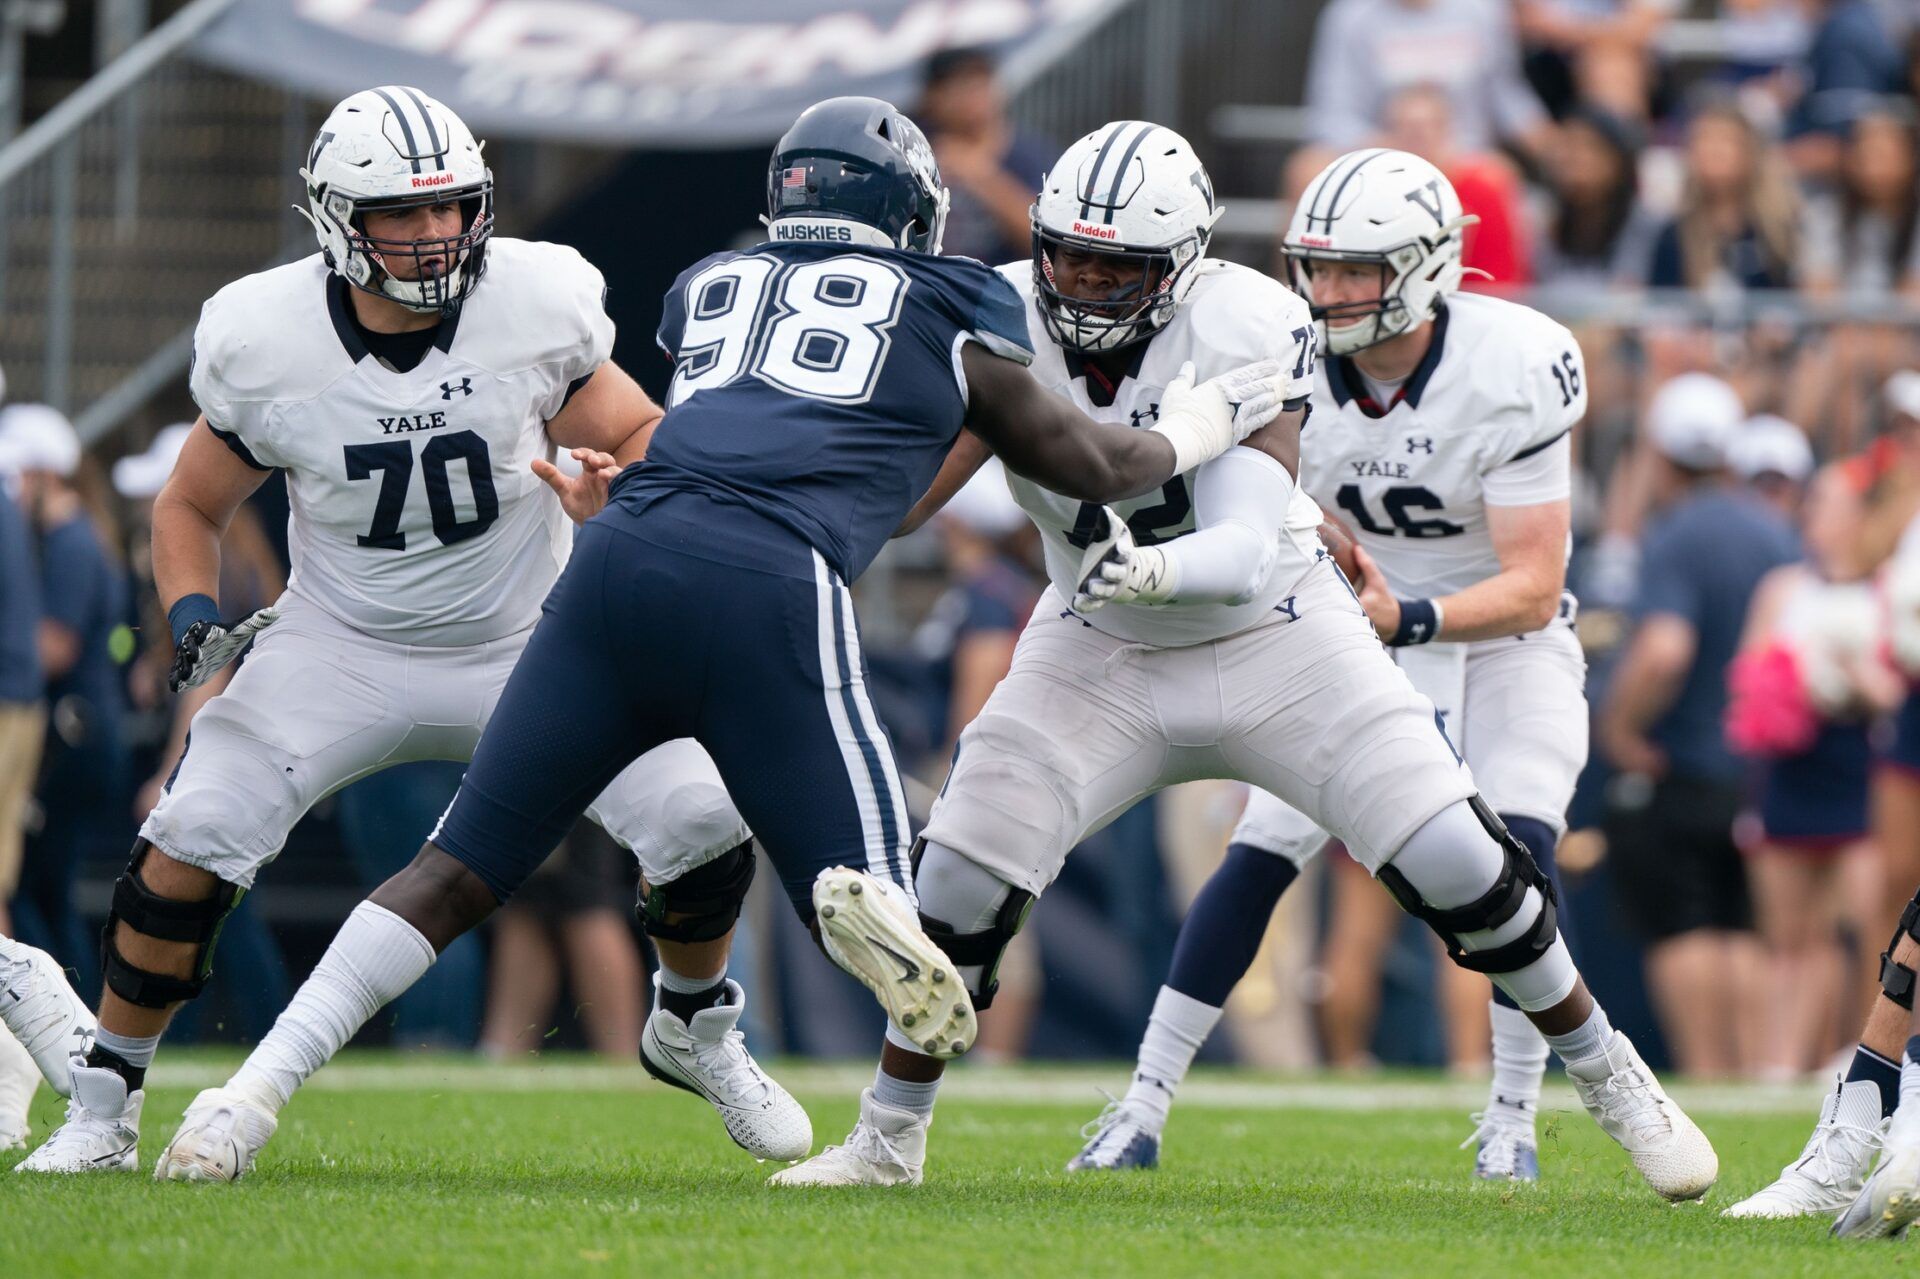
<point x="1096" y="232"/>
<point x="432" y="180"/>
<point x="1316" y="241"/>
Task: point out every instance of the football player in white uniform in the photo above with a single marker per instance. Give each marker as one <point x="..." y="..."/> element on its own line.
<point x="412" y="379"/>
<point x="1204" y="632"/>
<point x="1440" y="435"/>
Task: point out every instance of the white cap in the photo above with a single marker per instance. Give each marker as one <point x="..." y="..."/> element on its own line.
<point x="985" y="504"/>
<point x="140" y="475"/>
<point x="1693" y="419"/>
<point x="1771" y="445"/>
<point x="37" y="437"/>
<point x="1903" y="393"/>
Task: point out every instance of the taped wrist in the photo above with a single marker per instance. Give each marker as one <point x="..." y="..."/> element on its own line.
<point x="1195" y="433"/>
<point x="189" y="609"/>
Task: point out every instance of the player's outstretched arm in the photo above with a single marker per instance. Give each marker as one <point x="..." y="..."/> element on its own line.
<point x="192" y="512"/>
<point x="610" y="414"/>
<point x="1045" y="438"/>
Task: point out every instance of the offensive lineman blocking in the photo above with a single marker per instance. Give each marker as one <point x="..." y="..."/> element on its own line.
<point x="1444" y="444"/>
<point x="1235" y="649"/>
<point x="415" y="341"/>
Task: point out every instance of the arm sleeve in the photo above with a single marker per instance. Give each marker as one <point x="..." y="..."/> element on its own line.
<point x="1542" y="474"/>
<point x="1240" y="501"/>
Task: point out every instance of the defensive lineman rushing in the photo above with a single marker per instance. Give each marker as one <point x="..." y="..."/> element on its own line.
<point x="1440" y="436"/>
<point x="1207" y="634"/>
<point x="820" y="380"/>
<point x="415" y="342"/>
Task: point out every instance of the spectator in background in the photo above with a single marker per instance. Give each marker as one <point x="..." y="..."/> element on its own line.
<point x="993" y="167"/>
<point x="82" y="788"/>
<point x="1771" y="456"/>
<point x="1418" y="119"/>
<point x="1365" y="51"/>
<point x="22" y="713"/>
<point x="1851" y="61"/>
<point x="250" y="984"/>
<point x="1600" y="235"/>
<point x="1806" y="683"/>
<point x="1677" y="873"/>
<point x="1860" y="239"/>
<point x="1557" y="35"/>
<point x="1738" y="226"/>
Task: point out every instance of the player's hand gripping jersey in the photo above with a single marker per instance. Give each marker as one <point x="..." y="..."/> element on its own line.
<point x="415" y="517"/>
<point x="1231" y="317"/>
<point x="1483" y="420"/>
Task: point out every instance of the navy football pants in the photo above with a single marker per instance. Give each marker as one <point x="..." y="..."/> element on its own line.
<point x="666" y="626"/>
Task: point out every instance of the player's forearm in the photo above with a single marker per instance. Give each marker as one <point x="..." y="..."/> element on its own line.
<point x="1513" y="602"/>
<point x="1225" y="564"/>
<point x="186" y="551"/>
<point x="1093" y="461"/>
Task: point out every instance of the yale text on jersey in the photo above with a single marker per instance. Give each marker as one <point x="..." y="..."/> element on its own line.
<point x="406" y="423"/>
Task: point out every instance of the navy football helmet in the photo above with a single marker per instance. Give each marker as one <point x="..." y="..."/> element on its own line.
<point x="856" y="171"/>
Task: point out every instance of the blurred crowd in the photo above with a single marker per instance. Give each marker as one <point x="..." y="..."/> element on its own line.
<point x="1731" y="231"/>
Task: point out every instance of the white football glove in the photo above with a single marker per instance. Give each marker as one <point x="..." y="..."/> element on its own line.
<point x="1204" y="421"/>
<point x="209" y="646"/>
<point x="1115" y="571"/>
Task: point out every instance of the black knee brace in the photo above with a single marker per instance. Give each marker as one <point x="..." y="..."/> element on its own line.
<point x="1896" y="979"/>
<point x="709" y="896"/>
<point x="1492" y="909"/>
<point x="983" y="949"/>
<point x="164" y="919"/>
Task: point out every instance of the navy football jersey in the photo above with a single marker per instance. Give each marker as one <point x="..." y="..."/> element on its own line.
<point x="822" y="387"/>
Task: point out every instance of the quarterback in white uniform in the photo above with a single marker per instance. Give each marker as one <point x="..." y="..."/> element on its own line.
<point x="1204" y="632"/>
<point x="412" y="380"/>
<point x="1442" y="444"/>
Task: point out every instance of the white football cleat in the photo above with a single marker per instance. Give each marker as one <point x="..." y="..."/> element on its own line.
<point x="868" y="927"/>
<point x="708" y="1057"/>
<point x="19" y="1080"/>
<point x="887" y="1147"/>
<point x="41" y="1009"/>
<point x="1117" y="1139"/>
<point x="102" y="1132"/>
<point x="1505" y="1148"/>
<point x="1890" y="1201"/>
<point x="1830" y="1172"/>
<point x="1673" y="1155"/>
<point x="219" y="1136"/>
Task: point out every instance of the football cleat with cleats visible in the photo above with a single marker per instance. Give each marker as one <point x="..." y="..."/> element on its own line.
<point x="1507" y="1149"/>
<point x="1829" y="1174"/>
<point x="1673" y="1156"/>
<point x="219" y="1137"/>
<point x="869" y="928"/>
<point x="707" y="1056"/>
<point x="887" y="1147"/>
<point x="102" y="1132"/>
<point x="1890" y="1201"/>
<point x="39" y="1006"/>
<point x="1117" y="1139"/>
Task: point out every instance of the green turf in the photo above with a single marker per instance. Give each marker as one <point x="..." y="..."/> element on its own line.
<point x="585" y="1172"/>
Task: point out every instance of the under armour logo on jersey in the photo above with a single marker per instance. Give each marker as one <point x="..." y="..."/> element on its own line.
<point x="466" y="388"/>
<point x="1286" y="606"/>
<point x="1428" y="198"/>
<point x="1421" y="444"/>
<point x="1149" y="414"/>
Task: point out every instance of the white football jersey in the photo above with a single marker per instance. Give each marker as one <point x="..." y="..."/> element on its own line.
<point x="415" y="517"/>
<point x="1232" y="317"/>
<point x="1501" y="383"/>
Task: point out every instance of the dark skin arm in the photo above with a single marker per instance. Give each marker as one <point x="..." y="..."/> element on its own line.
<point x="968" y="455"/>
<point x="1042" y="436"/>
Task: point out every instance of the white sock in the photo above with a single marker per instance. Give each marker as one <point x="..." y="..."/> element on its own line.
<point x="1519" y="1060"/>
<point x="1586" y="1042"/>
<point x="1905" y="1130"/>
<point x="374" y="958"/>
<point x="1179" y="1025"/>
<point x="19" y="1077"/>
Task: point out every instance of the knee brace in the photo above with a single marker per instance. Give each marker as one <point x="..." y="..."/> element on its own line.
<point x="1493" y="910"/>
<point x="709" y="896"/>
<point x="1896" y="979"/>
<point x="974" y="949"/>
<point x="165" y="919"/>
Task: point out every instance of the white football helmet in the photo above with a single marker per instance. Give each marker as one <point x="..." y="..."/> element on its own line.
<point x="1133" y="191"/>
<point x="1387" y="207"/>
<point x="395" y="147"/>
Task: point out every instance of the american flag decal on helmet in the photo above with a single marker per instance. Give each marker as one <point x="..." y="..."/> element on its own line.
<point x="794" y="177"/>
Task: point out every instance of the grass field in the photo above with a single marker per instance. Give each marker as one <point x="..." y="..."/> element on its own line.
<point x="422" y="1166"/>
